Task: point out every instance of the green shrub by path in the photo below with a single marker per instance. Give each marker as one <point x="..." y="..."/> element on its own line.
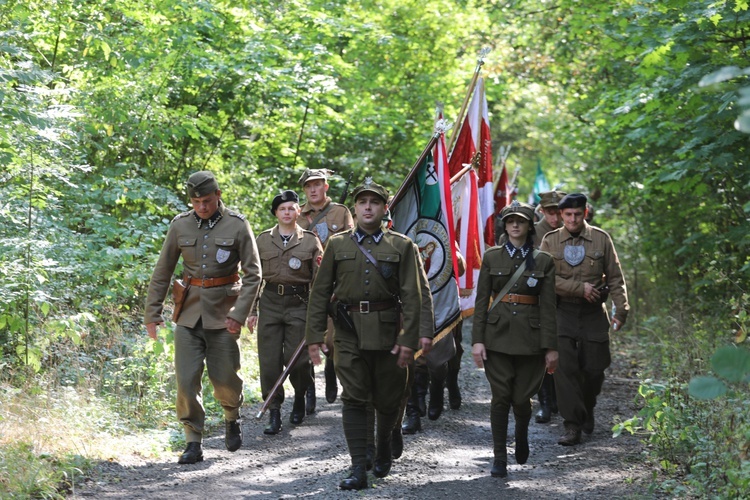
<point x="701" y="445"/>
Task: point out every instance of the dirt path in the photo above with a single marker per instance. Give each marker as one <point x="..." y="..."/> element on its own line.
<point x="450" y="458"/>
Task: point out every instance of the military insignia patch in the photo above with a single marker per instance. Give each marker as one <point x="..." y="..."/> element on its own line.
<point x="532" y="282"/>
<point x="574" y="254"/>
<point x="295" y="263"/>
<point x="222" y="255"/>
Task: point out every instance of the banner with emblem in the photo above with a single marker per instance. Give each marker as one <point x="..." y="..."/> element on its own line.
<point x="422" y="210"/>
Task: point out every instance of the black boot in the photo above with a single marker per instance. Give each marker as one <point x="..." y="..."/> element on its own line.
<point x="412" y="422"/>
<point x="435" y="408"/>
<point x="192" y="454"/>
<point x="357" y="479"/>
<point x="499" y="469"/>
<point x="522" y="438"/>
<point x="274" y="422"/>
<point x="384" y="453"/>
<point x="332" y="389"/>
<point x="311" y="399"/>
<point x="499" y="426"/>
<point x="233" y="435"/>
<point x="298" y="410"/>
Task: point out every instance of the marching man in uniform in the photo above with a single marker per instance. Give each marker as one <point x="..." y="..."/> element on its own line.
<point x="586" y="270"/>
<point x="324" y="217"/>
<point x="215" y="244"/>
<point x="374" y="275"/>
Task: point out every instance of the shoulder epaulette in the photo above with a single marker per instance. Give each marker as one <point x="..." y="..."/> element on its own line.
<point x="236" y="214"/>
<point x="266" y="231"/>
<point x="180" y="216"/>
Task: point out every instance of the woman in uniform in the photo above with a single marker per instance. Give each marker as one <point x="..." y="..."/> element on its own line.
<point x="514" y="336"/>
<point x="290" y="257"/>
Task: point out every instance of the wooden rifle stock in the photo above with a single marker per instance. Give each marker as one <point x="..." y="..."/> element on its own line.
<point x="292" y="361"/>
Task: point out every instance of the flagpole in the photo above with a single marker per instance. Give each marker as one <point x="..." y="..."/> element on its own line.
<point x="467" y="167"/>
<point x="400" y="193"/>
<point x="459" y="119"/>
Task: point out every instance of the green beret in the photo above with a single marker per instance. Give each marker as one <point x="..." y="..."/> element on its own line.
<point x="280" y="198"/>
<point x="518" y="208"/>
<point x="201" y="184"/>
<point x="551" y="198"/>
<point x="573" y="200"/>
<point x="372" y="187"/>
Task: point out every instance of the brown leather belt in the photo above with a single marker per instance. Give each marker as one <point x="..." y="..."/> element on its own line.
<point x="287" y="289"/>
<point x="515" y="298"/>
<point x="212" y="282"/>
<point x="367" y="306"/>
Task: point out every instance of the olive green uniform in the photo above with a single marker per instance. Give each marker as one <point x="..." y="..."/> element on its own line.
<point x="516" y="336"/>
<point x="364" y="365"/>
<point x="288" y="271"/>
<point x="583" y="328"/>
<point x="217" y="248"/>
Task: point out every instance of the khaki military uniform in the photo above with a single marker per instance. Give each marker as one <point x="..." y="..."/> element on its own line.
<point x="337" y="218"/>
<point x="583" y="327"/>
<point x="282" y="307"/>
<point x="540" y="229"/>
<point x="218" y="248"/>
<point x="516" y="335"/>
<point x="364" y="365"/>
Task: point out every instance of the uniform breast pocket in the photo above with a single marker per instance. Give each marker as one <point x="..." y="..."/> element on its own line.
<point x="346" y="262"/>
<point x="595" y="264"/>
<point x="388" y="264"/>
<point x="187" y="248"/>
<point x="226" y="250"/>
<point x="531" y="281"/>
<point x="301" y="261"/>
<point x="269" y="261"/>
<point x="500" y="276"/>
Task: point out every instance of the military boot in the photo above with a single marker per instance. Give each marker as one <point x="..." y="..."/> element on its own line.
<point x="356" y="480"/>
<point x="435" y="408"/>
<point x="192" y="454"/>
<point x="233" y="435"/>
<point x="384" y="453"/>
<point x="298" y="410"/>
<point x="419" y="389"/>
<point x="274" y="422"/>
<point x="397" y="442"/>
<point x="499" y="426"/>
<point x="522" y="438"/>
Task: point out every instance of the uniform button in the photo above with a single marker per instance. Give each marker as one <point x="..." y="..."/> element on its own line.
<point x="369" y="250"/>
<point x="367" y="282"/>
<point x="205" y="246"/>
<point x="205" y="236"/>
<point x="367" y="292"/>
<point x="204" y="255"/>
<point x="203" y="266"/>
<point x="515" y="285"/>
<point x="514" y="313"/>
<point x="367" y="271"/>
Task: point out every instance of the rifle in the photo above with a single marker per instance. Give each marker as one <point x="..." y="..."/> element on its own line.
<point x="272" y="394"/>
<point x="342" y="199"/>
